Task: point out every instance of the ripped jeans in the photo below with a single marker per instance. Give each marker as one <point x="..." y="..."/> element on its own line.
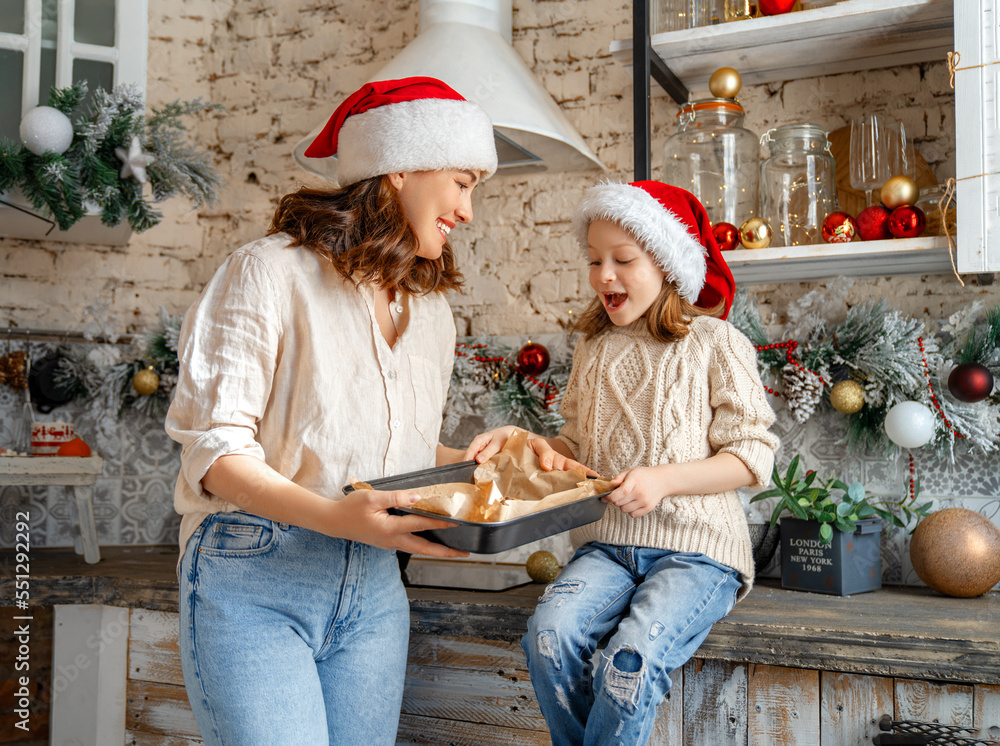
<point x="661" y="606"/>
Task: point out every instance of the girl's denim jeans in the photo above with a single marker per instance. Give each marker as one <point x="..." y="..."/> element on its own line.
<point x="289" y="637"/>
<point x="660" y="605"/>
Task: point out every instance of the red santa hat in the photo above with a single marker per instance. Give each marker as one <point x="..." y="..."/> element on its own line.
<point x="672" y="225"/>
<point x="411" y="124"/>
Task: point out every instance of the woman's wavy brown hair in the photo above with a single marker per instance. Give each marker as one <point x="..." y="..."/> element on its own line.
<point x="362" y="231"/>
<point x="668" y="318"/>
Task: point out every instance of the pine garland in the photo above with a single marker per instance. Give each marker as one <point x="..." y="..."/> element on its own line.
<point x="62" y="185"/>
<point x="895" y="359"/>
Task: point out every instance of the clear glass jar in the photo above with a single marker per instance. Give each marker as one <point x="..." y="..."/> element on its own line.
<point x="674" y="15"/>
<point x="739" y="10"/>
<point x="797" y="186"/>
<point x="930" y="202"/>
<point x="716" y="158"/>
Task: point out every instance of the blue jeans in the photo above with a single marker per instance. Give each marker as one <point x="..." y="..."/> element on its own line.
<point x="289" y="637"/>
<point x="660" y="604"/>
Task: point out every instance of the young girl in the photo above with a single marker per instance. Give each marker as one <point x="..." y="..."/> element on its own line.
<point x="665" y="395"/>
<point x="318" y="353"/>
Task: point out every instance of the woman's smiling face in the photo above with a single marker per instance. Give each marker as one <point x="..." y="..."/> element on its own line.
<point x="622" y="273"/>
<point x="433" y="203"/>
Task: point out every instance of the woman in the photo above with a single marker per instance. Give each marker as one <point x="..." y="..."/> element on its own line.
<point x="319" y="353"/>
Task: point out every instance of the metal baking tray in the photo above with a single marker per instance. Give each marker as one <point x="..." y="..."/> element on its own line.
<point x="489" y="538"/>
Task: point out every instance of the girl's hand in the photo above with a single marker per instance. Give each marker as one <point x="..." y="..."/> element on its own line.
<point x="637" y="491"/>
<point x="365" y="515"/>
<point x="551" y="460"/>
<point x="486" y="445"/>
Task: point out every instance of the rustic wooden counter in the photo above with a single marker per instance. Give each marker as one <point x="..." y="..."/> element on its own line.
<point x="874" y="647"/>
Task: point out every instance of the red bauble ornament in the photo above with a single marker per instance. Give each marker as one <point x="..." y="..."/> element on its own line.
<point x="727" y="236"/>
<point x="774" y="7"/>
<point x="839" y="227"/>
<point x="532" y="359"/>
<point x="907" y="222"/>
<point x="873" y="223"/>
<point x="970" y="382"/>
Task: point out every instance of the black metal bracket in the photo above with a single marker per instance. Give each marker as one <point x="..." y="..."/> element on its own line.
<point x="645" y="63"/>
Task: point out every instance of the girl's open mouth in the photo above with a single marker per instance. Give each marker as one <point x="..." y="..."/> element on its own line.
<point x="614" y="301"/>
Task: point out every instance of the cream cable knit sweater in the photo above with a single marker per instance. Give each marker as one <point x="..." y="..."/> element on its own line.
<point x="633" y="401"/>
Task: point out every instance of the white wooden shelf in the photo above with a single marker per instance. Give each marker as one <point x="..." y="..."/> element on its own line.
<point x="914" y="256"/>
<point x="849" y="36"/>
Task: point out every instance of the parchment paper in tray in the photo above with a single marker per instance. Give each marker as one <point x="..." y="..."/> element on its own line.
<point x="509" y="485"/>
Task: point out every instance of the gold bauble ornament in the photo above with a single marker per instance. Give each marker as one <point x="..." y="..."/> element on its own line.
<point x="847" y="397"/>
<point x="956" y="551"/>
<point x="755" y="233"/>
<point x="725" y="83"/>
<point x="542" y="567"/>
<point x="146" y="381"/>
<point x="899" y="191"/>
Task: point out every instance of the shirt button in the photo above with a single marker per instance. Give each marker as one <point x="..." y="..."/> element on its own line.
<point x="391" y="375"/>
<point x="396" y="423"/>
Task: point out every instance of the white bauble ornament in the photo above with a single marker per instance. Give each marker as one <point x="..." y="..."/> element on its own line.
<point x="909" y="424"/>
<point x="46" y="130"/>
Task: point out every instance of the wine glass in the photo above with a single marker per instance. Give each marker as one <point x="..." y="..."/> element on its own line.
<point x="901" y="152"/>
<point x="870" y="161"/>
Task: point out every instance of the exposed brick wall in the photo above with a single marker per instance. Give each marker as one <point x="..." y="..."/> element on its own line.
<point x="279" y="67"/>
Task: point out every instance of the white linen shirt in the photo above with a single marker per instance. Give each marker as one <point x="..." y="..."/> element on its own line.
<point x="282" y="359"/>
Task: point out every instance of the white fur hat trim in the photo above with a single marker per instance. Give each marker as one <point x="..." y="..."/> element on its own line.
<point x="660" y="232"/>
<point x="430" y="134"/>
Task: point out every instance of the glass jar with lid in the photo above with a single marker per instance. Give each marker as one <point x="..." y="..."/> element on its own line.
<point x="930" y="202"/>
<point x="716" y="158"/>
<point x="797" y="184"/>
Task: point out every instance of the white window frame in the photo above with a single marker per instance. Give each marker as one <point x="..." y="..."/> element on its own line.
<point x="128" y="56"/>
<point x="977" y="101"/>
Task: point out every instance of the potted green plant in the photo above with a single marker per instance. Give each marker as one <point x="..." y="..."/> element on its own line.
<point x="831" y="541"/>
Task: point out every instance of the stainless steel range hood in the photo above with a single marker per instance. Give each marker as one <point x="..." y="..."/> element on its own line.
<point x="466" y="43"/>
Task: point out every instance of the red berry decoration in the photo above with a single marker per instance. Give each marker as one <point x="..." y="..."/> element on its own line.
<point x="970" y="382"/>
<point x="727" y="236"/>
<point x="532" y="359"/>
<point x="774" y="7"/>
<point x="907" y="222"/>
<point x="839" y="227"/>
<point x="873" y="223"/>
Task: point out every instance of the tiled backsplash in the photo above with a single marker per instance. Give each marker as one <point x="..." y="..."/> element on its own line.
<point x="133" y="499"/>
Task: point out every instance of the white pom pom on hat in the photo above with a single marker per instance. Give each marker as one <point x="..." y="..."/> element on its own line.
<point x="673" y="226"/>
<point x="411" y="124"/>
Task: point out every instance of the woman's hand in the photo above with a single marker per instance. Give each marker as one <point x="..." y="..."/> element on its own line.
<point x="486" y="445"/>
<point x="637" y="491"/>
<point x="551" y="460"/>
<point x="363" y="516"/>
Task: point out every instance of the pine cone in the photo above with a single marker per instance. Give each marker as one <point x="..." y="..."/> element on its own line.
<point x="803" y="391"/>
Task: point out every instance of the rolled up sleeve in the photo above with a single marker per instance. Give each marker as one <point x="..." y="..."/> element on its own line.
<point x="228" y="349"/>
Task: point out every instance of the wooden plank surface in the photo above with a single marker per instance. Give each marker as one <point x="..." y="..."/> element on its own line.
<point x="986" y="711"/>
<point x="668" y="729"/>
<point x="929" y="702"/>
<point x="469" y="680"/>
<point x="782" y="706"/>
<point x="715" y="703"/>
<point x="138" y="738"/>
<point x="896" y="631"/>
<point x="161" y="709"/>
<point x="423" y="730"/>
<point x="850" y="707"/>
<point x="153" y="651"/>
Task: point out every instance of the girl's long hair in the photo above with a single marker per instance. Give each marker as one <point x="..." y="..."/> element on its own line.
<point x="668" y="318"/>
<point x="362" y="231"/>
